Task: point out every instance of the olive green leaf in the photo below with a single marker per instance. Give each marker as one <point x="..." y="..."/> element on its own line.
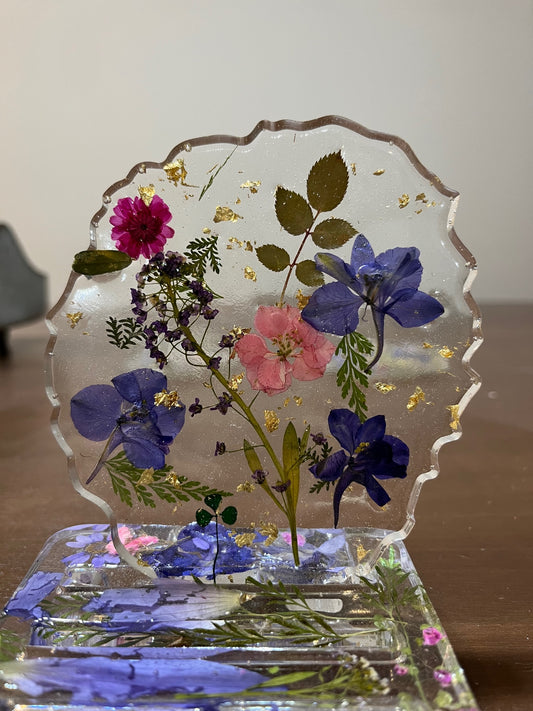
<point x="332" y="233"/>
<point x="293" y="211"/>
<point x="327" y="182"/>
<point x="285" y="679"/>
<point x="273" y="257"/>
<point x="308" y="274"/>
<point x="251" y="457"/>
<point x="291" y="461"/>
<point x="100" y="261"/>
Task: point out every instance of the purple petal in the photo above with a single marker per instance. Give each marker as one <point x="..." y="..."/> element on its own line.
<point x="362" y="253"/>
<point x="344" y="426"/>
<point x="170" y="420"/>
<point x="140" y="384"/>
<point x="35" y="589"/>
<point x="335" y="267"/>
<point x="333" y="308"/>
<point x="144" y="453"/>
<point x="371" y="430"/>
<point x="95" y="410"/>
<point x="414" y="309"/>
<point x="331" y="468"/>
<point x="76" y="558"/>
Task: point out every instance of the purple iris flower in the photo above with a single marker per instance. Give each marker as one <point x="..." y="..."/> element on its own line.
<point x="368" y="454"/>
<point x="388" y="284"/>
<point x="125" y="414"/>
<point x="25" y="601"/>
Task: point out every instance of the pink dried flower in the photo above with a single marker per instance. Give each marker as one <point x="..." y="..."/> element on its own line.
<point x="139" y="228"/>
<point x="431" y="635"/>
<point x="287" y="537"/>
<point x="400" y="670"/>
<point x="443" y="677"/>
<point x="300" y="351"/>
<point x="130" y="543"/>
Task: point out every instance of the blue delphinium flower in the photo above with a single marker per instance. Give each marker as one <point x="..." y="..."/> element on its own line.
<point x="126" y="414"/>
<point x="367" y="454"/>
<point x="91" y="547"/>
<point x="25" y="601"/>
<point x="194" y="552"/>
<point x="387" y="284"/>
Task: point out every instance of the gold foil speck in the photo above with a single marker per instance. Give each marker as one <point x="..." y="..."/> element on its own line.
<point x="384" y="387"/>
<point x="286" y="402"/>
<point x="146" y="477"/>
<point x="235" y="381"/>
<point x="74" y="318"/>
<point x="246" y="486"/>
<point x="361" y="552"/>
<point x="248" y="247"/>
<point x="173" y="479"/>
<point x="426" y="345"/>
<point x="271" y="420"/>
<point x="244" y="539"/>
<point x="353" y="167"/>
<point x="298" y="400"/>
<point x="225" y="214"/>
<point x="421" y="197"/>
<point x="454" y="411"/>
<point x="176" y="172"/>
<point x="250" y="274"/>
<point x="206" y="230"/>
<point x="417" y="212"/>
<point x="237" y="332"/>
<point x="168" y="399"/>
<point x="252" y="185"/>
<point x="301" y="299"/>
<point x="379" y="171"/>
<point x="416" y="398"/>
<point x="446" y="352"/>
<point x="403" y="201"/>
<point x="146" y="193"/>
<point x="270" y="530"/>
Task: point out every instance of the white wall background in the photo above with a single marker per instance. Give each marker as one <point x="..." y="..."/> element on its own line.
<point x="91" y="88"/>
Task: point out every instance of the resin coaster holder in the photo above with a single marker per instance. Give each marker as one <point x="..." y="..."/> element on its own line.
<point x="252" y="369"/>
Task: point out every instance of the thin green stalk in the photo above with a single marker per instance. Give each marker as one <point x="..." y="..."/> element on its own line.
<point x="293" y="263"/>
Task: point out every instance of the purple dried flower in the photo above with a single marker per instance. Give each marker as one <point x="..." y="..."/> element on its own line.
<point x="227" y="341"/>
<point x="259" y="476"/>
<point x="443" y="677"/>
<point x="431" y="636"/>
<point x="220" y="448"/>
<point x="224" y="403"/>
<point x="195" y="408"/>
<point x="214" y="363"/>
<point x="281" y="486"/>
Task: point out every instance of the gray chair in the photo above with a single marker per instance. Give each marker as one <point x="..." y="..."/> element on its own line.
<point x="22" y="289"/>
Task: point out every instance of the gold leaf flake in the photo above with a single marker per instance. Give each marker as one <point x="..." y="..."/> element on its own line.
<point x="248" y="247"/>
<point x="206" y="230"/>
<point x="235" y="381"/>
<point x="446" y="352"/>
<point x="454" y="411"/>
<point x="298" y="400"/>
<point x="252" y="185"/>
<point x="168" y="399"/>
<point x="384" y="387"/>
<point x="244" y="539"/>
<point x="237" y="332"/>
<point x="403" y="201"/>
<point x="176" y="172"/>
<point x="271" y="420"/>
<point x="238" y="201"/>
<point x="270" y="530"/>
<point x="301" y="299"/>
<point x="250" y="274"/>
<point x="286" y="402"/>
<point x="379" y="171"/>
<point x="353" y="167"/>
<point x="421" y="197"/>
<point x="74" y="318"/>
<point x="416" y="398"/>
<point x="225" y="214"/>
<point x="173" y="479"/>
<point x="417" y="212"/>
<point x="235" y="241"/>
<point x="361" y="552"/>
<point x="246" y="486"/>
<point x="146" y="193"/>
<point x="146" y="477"/>
<point x="426" y="345"/>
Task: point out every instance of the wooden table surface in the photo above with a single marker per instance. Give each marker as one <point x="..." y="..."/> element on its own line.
<point x="472" y="544"/>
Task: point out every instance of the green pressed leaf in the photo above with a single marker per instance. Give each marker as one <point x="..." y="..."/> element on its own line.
<point x="229" y="515"/>
<point x="308" y="274"/>
<point x="213" y="501"/>
<point x="291" y="462"/>
<point x="327" y="182"/>
<point x="273" y="257"/>
<point x="100" y="261"/>
<point x="284" y="679"/>
<point x="443" y="699"/>
<point x="251" y="457"/>
<point x="293" y="211"/>
<point x="333" y="233"/>
<point x="203" y="517"/>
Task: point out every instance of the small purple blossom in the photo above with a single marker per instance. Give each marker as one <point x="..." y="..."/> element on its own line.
<point x="195" y="408"/>
<point x="368" y="455"/>
<point x="208" y="313"/>
<point x="259" y="476"/>
<point x="214" y="364"/>
<point x="188" y="346"/>
<point x="281" y="486"/>
<point x="125" y="414"/>
<point x="431" y="636"/>
<point x="319" y="439"/>
<point x="91" y="547"/>
<point x="443" y="677"/>
<point x="227" y="341"/>
<point x="224" y="403"/>
<point x="220" y="448"/>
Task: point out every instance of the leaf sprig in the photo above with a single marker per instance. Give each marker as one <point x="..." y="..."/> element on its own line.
<point x="203" y="252"/>
<point x="352" y="373"/>
<point x="123" y="332"/>
<point x="129" y="481"/>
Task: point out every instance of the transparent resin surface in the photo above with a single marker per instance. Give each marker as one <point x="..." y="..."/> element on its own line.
<point x="274" y="329"/>
<point x="85" y="631"/>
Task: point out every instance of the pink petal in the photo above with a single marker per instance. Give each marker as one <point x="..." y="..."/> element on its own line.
<point x="251" y="349"/>
<point x="271" y="321"/>
<point x="273" y="376"/>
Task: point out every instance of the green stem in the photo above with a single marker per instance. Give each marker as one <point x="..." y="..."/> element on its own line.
<point x="293" y="263"/>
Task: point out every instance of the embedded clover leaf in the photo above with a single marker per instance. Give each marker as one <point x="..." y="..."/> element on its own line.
<point x="229" y="515"/>
<point x="203" y="517"/>
<point x="293" y="211"/>
<point x="327" y="182"/>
